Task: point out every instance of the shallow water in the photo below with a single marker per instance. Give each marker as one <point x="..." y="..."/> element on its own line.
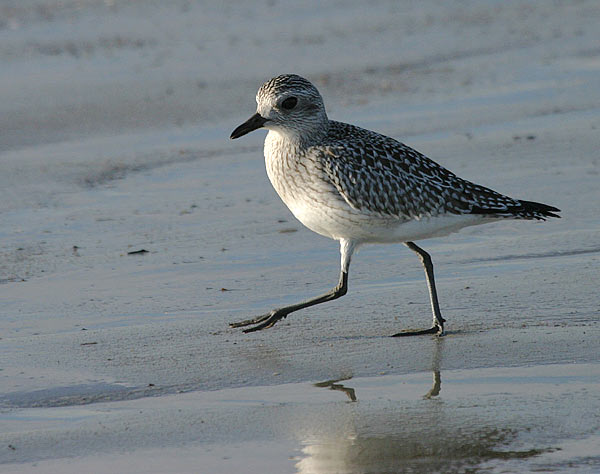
<point x="480" y="420"/>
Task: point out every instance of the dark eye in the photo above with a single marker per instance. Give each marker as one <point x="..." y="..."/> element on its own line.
<point x="289" y="103"/>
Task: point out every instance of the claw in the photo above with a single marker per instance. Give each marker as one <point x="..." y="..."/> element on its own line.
<point x="436" y="329"/>
<point x="262" y="322"/>
<point x="248" y="322"/>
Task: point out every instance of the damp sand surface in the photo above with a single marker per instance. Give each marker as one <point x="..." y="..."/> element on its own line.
<point x="134" y="230"/>
<point x="518" y="419"/>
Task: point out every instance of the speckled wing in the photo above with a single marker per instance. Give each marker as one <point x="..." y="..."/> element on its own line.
<point x="380" y="175"/>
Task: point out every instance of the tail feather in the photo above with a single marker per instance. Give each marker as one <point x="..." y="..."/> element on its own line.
<point x="539" y="209"/>
<point x="524" y="210"/>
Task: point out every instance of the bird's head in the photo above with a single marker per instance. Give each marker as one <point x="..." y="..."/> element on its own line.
<point x="287" y="104"/>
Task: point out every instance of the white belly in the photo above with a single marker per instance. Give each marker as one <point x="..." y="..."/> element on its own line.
<point x="347" y="223"/>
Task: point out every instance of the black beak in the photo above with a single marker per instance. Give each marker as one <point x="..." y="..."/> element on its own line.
<point x="253" y="123"/>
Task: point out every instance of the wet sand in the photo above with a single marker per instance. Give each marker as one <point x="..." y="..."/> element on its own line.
<point x="118" y="143"/>
<point x="493" y="420"/>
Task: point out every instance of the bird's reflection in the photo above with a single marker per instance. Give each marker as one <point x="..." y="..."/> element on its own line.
<point x="400" y="430"/>
<point x="334" y="385"/>
<point x="433" y="392"/>
<point x="436" y="361"/>
<point x="437" y="386"/>
<point x="351" y="393"/>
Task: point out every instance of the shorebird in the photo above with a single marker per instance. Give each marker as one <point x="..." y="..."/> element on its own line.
<point x="357" y="186"/>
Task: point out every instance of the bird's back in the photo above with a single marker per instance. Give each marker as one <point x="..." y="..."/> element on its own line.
<point x="377" y="174"/>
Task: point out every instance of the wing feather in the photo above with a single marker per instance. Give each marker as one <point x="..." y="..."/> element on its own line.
<point x="383" y="176"/>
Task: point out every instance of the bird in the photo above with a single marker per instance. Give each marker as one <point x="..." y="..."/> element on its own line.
<point x="358" y="187"/>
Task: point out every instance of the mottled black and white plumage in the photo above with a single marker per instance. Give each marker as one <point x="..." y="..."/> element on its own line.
<point x="380" y="175"/>
<point x="357" y="186"/>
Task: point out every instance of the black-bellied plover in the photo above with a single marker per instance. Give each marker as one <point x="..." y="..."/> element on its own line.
<point x="357" y="186"/>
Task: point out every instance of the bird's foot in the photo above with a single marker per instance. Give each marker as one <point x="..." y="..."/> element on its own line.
<point x="435" y="329"/>
<point x="262" y="322"/>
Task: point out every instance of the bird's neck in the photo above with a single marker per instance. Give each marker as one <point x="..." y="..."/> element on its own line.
<point x="292" y="140"/>
<point x="281" y="147"/>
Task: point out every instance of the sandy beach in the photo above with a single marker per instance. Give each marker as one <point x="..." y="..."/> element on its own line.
<point x="134" y="231"/>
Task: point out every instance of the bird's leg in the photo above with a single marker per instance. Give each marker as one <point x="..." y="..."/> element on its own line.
<point x="438" y="321"/>
<point x="268" y="320"/>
